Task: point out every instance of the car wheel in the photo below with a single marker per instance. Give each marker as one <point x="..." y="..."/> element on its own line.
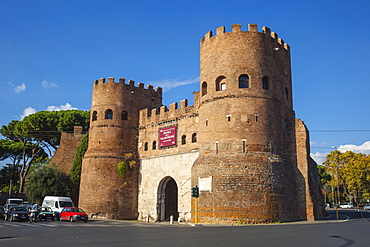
<point x="85" y="221"/>
<point x="71" y="219"/>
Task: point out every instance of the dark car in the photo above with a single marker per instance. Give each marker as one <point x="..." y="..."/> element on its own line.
<point x="73" y="214"/>
<point x="46" y="213"/>
<point x="8" y="206"/>
<point x="2" y="212"/>
<point x="19" y="213"/>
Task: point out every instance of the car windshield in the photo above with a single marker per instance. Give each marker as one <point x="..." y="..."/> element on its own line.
<point x="65" y="204"/>
<point x="77" y="210"/>
<point x="19" y="209"/>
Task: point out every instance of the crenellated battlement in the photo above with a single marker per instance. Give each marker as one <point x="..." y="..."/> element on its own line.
<point x="252" y="28"/>
<point x="162" y="115"/>
<point x="130" y="84"/>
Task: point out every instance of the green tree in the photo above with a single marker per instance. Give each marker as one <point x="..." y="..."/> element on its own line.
<point x="75" y="173"/>
<point x="41" y="132"/>
<point x="47" y="180"/>
<point x="356" y="174"/>
<point x="325" y="178"/>
<point x="8" y="176"/>
<point x="23" y="157"/>
<point x="350" y="172"/>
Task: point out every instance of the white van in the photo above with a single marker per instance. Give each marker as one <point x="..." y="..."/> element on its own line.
<point x="57" y="203"/>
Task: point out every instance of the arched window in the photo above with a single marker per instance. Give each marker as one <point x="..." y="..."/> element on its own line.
<point x="94" y="115"/>
<point x="146" y="146"/>
<point x="154" y="145"/>
<point x="244" y="81"/>
<point x="194" y="137"/>
<point x="221" y="83"/>
<point x="204" y="88"/>
<point x="286" y="93"/>
<point x="265" y="82"/>
<point x="124" y="115"/>
<point x="109" y="114"/>
<point x="183" y="139"/>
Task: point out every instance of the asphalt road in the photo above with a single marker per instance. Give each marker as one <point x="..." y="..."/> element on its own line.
<point x="352" y="229"/>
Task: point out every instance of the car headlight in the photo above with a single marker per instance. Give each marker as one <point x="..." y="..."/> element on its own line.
<point x="15" y="214"/>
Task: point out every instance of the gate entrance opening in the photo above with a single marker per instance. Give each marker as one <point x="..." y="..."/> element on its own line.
<point x="167" y="199"/>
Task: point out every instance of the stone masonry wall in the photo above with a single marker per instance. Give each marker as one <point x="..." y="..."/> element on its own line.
<point x="153" y="170"/>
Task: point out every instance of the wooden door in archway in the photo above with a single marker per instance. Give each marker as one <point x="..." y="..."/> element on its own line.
<point x="168" y="199"/>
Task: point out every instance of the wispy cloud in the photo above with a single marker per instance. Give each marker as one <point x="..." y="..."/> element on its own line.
<point x="30" y="110"/>
<point x="20" y="88"/>
<point x="363" y="148"/>
<point x="15" y="88"/>
<point x="168" y="84"/>
<point x="318" y="157"/>
<point x="26" y="112"/>
<point x="46" y="84"/>
<point x="67" y="106"/>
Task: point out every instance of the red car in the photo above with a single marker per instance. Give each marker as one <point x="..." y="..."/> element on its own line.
<point x="72" y="214"/>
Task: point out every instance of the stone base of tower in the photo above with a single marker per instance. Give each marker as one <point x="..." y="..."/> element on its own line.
<point x="248" y="188"/>
<point x="104" y="192"/>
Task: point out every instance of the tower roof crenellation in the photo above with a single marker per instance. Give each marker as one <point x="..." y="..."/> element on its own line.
<point x="252" y="28"/>
<point x="130" y="83"/>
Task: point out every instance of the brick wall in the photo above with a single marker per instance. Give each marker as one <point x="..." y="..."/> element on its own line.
<point x="65" y="154"/>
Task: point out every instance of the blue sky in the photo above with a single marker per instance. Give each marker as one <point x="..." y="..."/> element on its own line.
<point x="52" y="51"/>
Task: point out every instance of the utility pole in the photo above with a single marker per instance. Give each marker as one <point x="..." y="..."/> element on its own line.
<point x="195" y="194"/>
<point x="10" y="188"/>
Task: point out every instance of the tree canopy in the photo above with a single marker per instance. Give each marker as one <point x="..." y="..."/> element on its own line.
<point x="350" y="174"/>
<point x="46" y="126"/>
<point x="75" y="173"/>
<point x="47" y="180"/>
<point x="37" y="135"/>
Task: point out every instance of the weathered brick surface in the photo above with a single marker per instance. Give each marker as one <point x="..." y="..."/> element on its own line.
<point x="65" y="154"/>
<point x="102" y="190"/>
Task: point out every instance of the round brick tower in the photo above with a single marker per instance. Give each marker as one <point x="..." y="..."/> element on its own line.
<point x="107" y="188"/>
<point x="247" y="129"/>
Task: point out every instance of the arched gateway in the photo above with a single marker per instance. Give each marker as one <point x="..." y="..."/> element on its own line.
<point x="167" y="203"/>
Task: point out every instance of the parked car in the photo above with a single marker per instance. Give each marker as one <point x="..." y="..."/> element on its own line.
<point x="346" y="205"/>
<point x="17" y="213"/>
<point x="46" y="214"/>
<point x="73" y="214"/>
<point x="8" y="206"/>
<point x="367" y="207"/>
<point x="2" y="212"/>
